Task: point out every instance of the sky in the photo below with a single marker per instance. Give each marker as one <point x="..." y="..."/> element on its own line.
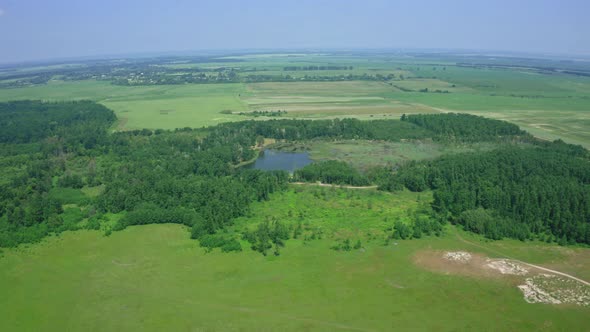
<point x="52" y="29"/>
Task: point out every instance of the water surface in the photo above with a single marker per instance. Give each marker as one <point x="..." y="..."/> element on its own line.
<point x="277" y="160"/>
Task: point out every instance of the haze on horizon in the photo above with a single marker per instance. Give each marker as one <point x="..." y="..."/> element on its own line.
<point x="38" y="30"/>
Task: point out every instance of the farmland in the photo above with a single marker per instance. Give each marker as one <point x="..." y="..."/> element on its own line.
<point x="165" y="107"/>
<point x="549" y="104"/>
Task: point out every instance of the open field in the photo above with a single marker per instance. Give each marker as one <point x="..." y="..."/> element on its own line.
<point x="550" y="105"/>
<point x="431" y="84"/>
<point x="137" y="107"/>
<point x="559" y="117"/>
<point x="327" y="99"/>
<point x="154" y="278"/>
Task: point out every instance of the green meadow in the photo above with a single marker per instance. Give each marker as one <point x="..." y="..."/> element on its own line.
<point x="549" y="105"/>
<point x="154" y="278"/>
<point x="153" y="107"/>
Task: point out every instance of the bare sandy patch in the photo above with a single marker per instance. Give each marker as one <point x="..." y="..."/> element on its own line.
<point x="536" y="285"/>
<point x="457" y="256"/>
<point x="459" y="263"/>
<point x="552" y="289"/>
<point x="506" y="266"/>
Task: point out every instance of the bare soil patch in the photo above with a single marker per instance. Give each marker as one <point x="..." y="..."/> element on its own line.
<point x="460" y="263"/>
<point x="506" y="266"/>
<point x="553" y="289"/>
<point x="536" y="285"/>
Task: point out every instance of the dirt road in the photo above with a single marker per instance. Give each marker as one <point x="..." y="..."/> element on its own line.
<point x="332" y="185"/>
<point x="519" y="261"/>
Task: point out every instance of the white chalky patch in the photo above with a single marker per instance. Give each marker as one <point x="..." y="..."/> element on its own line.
<point x="506" y="266"/>
<point x="551" y="289"/>
<point x="458" y="256"/>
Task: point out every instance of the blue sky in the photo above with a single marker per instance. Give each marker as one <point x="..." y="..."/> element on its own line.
<point x="45" y="29"/>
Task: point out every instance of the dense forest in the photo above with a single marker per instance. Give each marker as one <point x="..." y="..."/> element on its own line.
<point x="512" y="192"/>
<point x="331" y="171"/>
<point x="466" y="127"/>
<point x="32" y="121"/>
<point x="52" y="151"/>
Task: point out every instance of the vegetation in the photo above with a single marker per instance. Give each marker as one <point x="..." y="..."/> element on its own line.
<point x="155" y="191"/>
<point x="264" y="113"/>
<point x="291" y="292"/>
<point x="334" y="172"/>
<point x="517" y="192"/>
<point x="465" y="127"/>
<point x="31" y="121"/>
<point x="548" y="98"/>
<point x="185" y="177"/>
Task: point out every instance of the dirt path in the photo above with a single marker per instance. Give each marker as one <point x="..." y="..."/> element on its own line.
<point x="519" y="261"/>
<point x="332" y="185"/>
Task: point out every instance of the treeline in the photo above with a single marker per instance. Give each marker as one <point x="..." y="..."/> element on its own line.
<point x="293" y="130"/>
<point x="465" y="127"/>
<point x="188" y="176"/>
<point x="36" y="139"/>
<point x="541" y="191"/>
<point x="331" y="171"/>
<point x="149" y="70"/>
<point x="7" y="82"/>
<point x="231" y="76"/>
<point x="295" y="68"/>
<point x="263" y="113"/>
<point x="257" y="78"/>
<point x="142" y="72"/>
<point x="150" y="176"/>
<point x="32" y="121"/>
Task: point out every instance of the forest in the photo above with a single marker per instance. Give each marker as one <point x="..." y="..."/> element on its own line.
<point x="516" y="192"/>
<point x="524" y="188"/>
<point x="331" y="171"/>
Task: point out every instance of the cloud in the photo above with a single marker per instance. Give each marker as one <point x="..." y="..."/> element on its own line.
<point x="2" y="12"/>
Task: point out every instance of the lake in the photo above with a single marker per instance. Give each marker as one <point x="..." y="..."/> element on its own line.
<point x="278" y="160"/>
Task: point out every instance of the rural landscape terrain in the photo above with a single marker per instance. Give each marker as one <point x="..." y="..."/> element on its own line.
<point x="366" y="190"/>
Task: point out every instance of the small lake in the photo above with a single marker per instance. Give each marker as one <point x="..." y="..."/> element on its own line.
<point x="283" y="161"/>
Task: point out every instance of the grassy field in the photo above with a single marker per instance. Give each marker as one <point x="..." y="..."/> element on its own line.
<point x="328" y="99"/>
<point x="550" y="106"/>
<point x="153" y="278"/>
<point x="137" y="107"/>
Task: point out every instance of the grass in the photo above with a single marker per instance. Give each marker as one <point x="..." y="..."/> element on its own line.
<point x="361" y="214"/>
<point x="430" y="84"/>
<point x="153" y="278"/>
<point x="327" y="99"/>
<point x="550" y="106"/>
<point x="166" y="107"/>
